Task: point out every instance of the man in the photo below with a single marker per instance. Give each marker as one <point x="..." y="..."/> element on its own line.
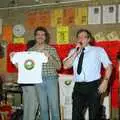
<point x="45" y="90"/>
<point x="86" y="61"/>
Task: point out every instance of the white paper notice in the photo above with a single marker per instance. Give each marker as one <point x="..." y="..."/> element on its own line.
<point x="109" y="14"/>
<point x="94" y="15"/>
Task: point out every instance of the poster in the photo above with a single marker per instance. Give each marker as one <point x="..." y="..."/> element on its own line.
<point x="109" y="14"/>
<point x="38" y="18"/>
<point x="94" y="15"/>
<point x="62" y="35"/>
<point x="31" y="20"/>
<point x="69" y="16"/>
<point x="18" y="40"/>
<point x="81" y="16"/>
<point x="119" y="13"/>
<point x="56" y="17"/>
<point x="66" y="87"/>
<point x="43" y="18"/>
<point x="7" y="33"/>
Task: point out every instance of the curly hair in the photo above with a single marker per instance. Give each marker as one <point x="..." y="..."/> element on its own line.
<point x="47" y="35"/>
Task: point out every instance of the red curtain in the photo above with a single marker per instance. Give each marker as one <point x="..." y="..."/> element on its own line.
<point x="13" y="48"/>
<point x="111" y="47"/>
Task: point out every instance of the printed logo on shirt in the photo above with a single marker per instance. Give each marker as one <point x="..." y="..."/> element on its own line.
<point x="29" y="64"/>
<point x="67" y="82"/>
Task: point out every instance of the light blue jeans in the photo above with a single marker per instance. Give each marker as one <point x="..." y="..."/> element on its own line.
<point x="49" y="98"/>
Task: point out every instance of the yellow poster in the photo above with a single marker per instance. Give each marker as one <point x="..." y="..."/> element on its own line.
<point x="56" y="17"/>
<point x="19" y="40"/>
<point x="62" y="35"/>
<point x="81" y="16"/>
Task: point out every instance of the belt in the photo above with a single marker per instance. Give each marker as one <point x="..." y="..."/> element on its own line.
<point x="95" y="81"/>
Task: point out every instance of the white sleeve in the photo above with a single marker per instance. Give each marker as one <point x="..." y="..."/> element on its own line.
<point x="14" y="59"/>
<point x="70" y="54"/>
<point x="104" y="58"/>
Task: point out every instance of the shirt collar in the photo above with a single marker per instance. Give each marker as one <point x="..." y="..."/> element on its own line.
<point x="87" y="47"/>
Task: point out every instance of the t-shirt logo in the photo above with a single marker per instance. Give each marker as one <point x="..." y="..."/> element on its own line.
<point x="68" y="82"/>
<point x="29" y="64"/>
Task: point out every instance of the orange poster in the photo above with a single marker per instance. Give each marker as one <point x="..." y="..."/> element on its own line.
<point x="43" y="18"/>
<point x="69" y="16"/>
<point x="31" y="20"/>
<point x="38" y="18"/>
<point x="7" y="33"/>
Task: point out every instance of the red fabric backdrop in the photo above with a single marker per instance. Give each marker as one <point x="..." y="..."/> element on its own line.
<point x="112" y="48"/>
<point x="13" y="48"/>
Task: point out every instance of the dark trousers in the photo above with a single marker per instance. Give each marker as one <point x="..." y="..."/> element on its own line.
<point x="85" y="95"/>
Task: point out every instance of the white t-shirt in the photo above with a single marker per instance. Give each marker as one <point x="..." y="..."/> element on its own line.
<point x="29" y="66"/>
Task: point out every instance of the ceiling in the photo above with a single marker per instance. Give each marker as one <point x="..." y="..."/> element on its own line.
<point x="15" y="3"/>
<point x="12" y="3"/>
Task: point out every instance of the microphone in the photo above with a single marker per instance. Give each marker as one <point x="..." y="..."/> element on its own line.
<point x="79" y="46"/>
<point x="77" y="49"/>
<point x="80" y="43"/>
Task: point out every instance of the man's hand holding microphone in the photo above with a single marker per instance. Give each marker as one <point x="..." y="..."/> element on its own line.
<point x="68" y="61"/>
<point x="78" y="47"/>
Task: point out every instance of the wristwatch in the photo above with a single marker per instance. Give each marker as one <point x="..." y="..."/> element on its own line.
<point x="106" y="79"/>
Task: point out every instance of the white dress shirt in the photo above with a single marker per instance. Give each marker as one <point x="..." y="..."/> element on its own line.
<point x="94" y="58"/>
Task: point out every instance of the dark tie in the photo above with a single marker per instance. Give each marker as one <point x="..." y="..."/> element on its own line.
<point x="80" y="61"/>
